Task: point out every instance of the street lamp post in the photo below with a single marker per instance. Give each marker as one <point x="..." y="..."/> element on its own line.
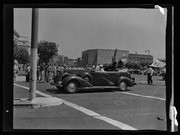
<point x="33" y="59"/>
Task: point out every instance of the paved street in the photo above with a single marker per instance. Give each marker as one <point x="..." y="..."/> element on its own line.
<point x="141" y="107"/>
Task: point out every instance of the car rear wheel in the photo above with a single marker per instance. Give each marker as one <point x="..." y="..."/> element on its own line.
<point x="71" y="87"/>
<point x="123" y="86"/>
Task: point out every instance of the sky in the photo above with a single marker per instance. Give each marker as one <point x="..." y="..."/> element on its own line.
<point x="80" y="29"/>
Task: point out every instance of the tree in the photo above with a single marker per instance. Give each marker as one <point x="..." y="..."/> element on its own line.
<point x="21" y="55"/>
<point x="46" y="50"/>
<point x="144" y="64"/>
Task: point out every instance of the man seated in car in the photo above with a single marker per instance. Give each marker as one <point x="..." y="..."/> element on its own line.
<point x="112" y="66"/>
<point x="101" y="68"/>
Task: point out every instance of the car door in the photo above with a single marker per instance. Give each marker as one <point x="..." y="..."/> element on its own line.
<point x="112" y="77"/>
<point x="100" y="78"/>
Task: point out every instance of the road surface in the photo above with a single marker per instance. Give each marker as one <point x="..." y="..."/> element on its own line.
<point x="141" y="107"/>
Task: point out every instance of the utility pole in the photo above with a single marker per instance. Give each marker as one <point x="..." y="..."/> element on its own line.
<point x="172" y="80"/>
<point x="33" y="58"/>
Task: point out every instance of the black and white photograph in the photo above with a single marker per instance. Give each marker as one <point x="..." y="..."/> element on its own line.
<point x="91" y="69"/>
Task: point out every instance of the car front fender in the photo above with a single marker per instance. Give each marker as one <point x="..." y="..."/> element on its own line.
<point x="79" y="80"/>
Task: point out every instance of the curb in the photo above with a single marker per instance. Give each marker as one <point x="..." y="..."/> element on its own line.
<point x="38" y="102"/>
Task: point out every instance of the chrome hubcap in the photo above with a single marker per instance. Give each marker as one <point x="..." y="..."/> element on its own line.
<point x="71" y="87"/>
<point x="122" y="86"/>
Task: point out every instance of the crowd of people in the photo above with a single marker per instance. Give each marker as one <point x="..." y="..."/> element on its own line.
<point x="16" y="69"/>
<point x="45" y="72"/>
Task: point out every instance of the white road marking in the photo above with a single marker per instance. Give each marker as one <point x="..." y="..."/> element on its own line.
<point x="38" y="92"/>
<point x="153" y="81"/>
<point x="88" y="112"/>
<point x="98" y="116"/>
<point x="143" y="96"/>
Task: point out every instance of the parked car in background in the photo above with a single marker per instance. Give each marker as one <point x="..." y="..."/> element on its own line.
<point x="135" y="71"/>
<point x="73" y="79"/>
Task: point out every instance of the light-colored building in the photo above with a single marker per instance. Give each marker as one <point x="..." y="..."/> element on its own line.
<point x="22" y="41"/>
<point x="57" y="60"/>
<point x="16" y="36"/>
<point x="141" y="58"/>
<point x="101" y="56"/>
<point x="63" y="60"/>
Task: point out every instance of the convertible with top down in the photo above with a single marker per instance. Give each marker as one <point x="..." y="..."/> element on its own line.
<point x="73" y="79"/>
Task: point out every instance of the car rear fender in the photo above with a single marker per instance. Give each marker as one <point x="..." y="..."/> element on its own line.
<point x="126" y="79"/>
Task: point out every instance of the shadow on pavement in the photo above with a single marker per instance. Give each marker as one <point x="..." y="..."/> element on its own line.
<point x="55" y="91"/>
<point x="85" y="90"/>
<point x="151" y="84"/>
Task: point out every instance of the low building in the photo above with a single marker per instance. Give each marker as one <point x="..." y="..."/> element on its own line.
<point x="63" y="60"/>
<point x="79" y="62"/>
<point x="141" y="58"/>
<point x="57" y="60"/>
<point x="71" y="62"/>
<point x="100" y="56"/>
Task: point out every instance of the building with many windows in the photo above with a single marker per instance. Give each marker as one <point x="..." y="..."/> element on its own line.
<point x="100" y="56"/>
<point x="141" y="58"/>
<point x="104" y="56"/>
<point x="22" y="41"/>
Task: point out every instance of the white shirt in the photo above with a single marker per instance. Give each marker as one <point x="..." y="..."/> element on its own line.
<point x="150" y="70"/>
<point x="97" y="68"/>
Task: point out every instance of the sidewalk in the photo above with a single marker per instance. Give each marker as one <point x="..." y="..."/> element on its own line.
<point x="21" y="97"/>
<point x="20" y="78"/>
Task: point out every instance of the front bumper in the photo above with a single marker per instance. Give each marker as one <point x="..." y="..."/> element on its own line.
<point x="55" y="84"/>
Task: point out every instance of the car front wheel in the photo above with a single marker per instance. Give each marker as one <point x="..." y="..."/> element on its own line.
<point x="71" y="87"/>
<point x="123" y="86"/>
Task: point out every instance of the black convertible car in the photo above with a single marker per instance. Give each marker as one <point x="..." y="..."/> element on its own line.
<point x="73" y="79"/>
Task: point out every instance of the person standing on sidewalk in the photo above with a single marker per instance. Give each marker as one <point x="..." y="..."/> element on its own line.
<point x="42" y="73"/>
<point x="54" y="71"/>
<point x="49" y="73"/>
<point x="27" y="73"/>
<point x="16" y="69"/>
<point x="150" y="72"/>
<point x="38" y="73"/>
